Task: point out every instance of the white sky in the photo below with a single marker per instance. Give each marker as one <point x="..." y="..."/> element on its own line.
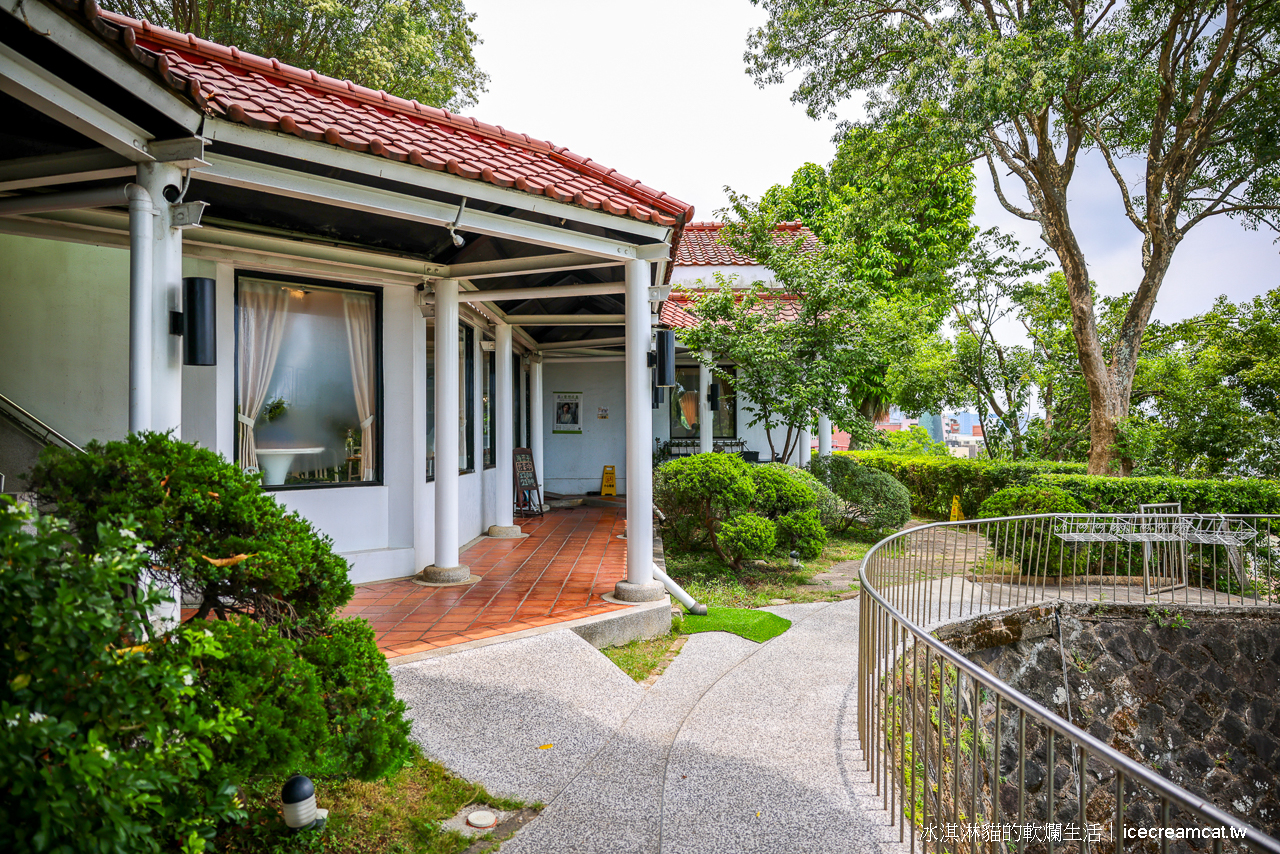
<point x="658" y="91"/>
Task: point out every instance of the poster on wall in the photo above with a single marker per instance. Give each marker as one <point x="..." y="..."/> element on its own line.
<point x="567" y="417"/>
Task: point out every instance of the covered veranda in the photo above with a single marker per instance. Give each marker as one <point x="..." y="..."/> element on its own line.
<point x="187" y="159"/>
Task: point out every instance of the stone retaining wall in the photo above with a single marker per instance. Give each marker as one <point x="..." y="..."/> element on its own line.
<point x="1192" y="692"/>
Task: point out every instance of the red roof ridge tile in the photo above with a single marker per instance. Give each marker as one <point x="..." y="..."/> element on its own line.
<point x="285" y="74"/>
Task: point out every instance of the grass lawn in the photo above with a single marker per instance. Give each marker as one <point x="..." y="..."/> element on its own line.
<point x="758" y="626"/>
<point x="711" y="582"/>
<point x="640" y="658"/>
<point x="397" y="815"/>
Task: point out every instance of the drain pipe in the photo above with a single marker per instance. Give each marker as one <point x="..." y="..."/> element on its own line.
<point x="677" y="591"/>
<point x="141" y="233"/>
<point x="141" y="284"/>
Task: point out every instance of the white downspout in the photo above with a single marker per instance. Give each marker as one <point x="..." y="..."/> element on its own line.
<point x="141" y="238"/>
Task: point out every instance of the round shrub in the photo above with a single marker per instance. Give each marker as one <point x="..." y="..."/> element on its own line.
<point x="781" y="489"/>
<point x="874" y="501"/>
<point x="368" y="734"/>
<point x="1031" y="547"/>
<point x="212" y="531"/>
<point x="260" y="673"/>
<point x="746" y="536"/>
<point x="697" y="492"/>
<point x="104" y="745"/>
<point x="1028" y="500"/>
<point x="802" y="530"/>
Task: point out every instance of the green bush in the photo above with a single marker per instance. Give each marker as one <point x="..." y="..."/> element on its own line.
<point x="368" y="734"/>
<point x="802" y="530"/>
<point x="1028" y="501"/>
<point x="1031" y="546"/>
<point x="212" y="530"/>
<point x="260" y="673"/>
<point x="698" y="492"/>
<point x="104" y="746"/>
<point x="873" y="501"/>
<point x="746" y="536"/>
<point x="782" y="489"/>
<point x="1124" y="494"/>
<point x="932" y="481"/>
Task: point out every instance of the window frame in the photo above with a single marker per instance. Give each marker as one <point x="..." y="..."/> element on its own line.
<point x="731" y="397"/>
<point x="489" y="423"/>
<point x="332" y="285"/>
<point x="467" y="386"/>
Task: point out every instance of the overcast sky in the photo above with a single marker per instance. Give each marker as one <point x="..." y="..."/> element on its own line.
<point x="657" y="90"/>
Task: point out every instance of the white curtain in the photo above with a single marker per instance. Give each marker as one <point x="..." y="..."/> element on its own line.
<point x="358" y="309"/>
<point x="263" y="309"/>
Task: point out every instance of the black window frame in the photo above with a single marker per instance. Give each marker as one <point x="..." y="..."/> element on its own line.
<point x="489" y="426"/>
<point x="728" y="395"/>
<point x="328" y="284"/>
<point x="467" y="343"/>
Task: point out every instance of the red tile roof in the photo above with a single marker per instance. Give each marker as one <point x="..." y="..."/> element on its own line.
<point x="267" y="94"/>
<point x="673" y="313"/>
<point x="701" y="246"/>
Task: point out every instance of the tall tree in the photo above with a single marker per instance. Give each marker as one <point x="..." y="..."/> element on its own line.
<point x="416" y="49"/>
<point x="990" y="374"/>
<point x="1189" y="86"/>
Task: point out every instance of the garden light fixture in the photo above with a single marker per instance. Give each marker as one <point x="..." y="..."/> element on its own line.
<point x="299" y="800"/>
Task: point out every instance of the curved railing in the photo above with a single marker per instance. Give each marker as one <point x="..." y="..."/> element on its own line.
<point x="965" y="762"/>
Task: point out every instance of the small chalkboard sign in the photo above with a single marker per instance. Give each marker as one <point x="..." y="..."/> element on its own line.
<point x="528" y="492"/>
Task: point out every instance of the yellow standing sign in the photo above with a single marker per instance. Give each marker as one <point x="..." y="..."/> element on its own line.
<point x="609" y="482"/>
<point x="956" y="515"/>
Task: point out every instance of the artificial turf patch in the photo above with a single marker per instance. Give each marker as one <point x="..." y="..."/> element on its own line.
<point x="758" y="626"/>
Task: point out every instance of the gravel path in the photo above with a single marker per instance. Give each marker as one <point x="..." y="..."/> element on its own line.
<point x="737" y="747"/>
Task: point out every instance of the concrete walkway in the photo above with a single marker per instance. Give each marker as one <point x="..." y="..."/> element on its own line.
<point x="738" y="747"/>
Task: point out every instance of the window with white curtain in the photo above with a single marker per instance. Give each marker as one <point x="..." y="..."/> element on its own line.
<point x="308" y="382"/>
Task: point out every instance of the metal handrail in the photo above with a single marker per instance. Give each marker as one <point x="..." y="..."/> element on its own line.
<point x="38" y="429"/>
<point x="898" y="733"/>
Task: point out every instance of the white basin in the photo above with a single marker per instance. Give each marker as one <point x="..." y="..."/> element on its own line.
<point x="275" y="462"/>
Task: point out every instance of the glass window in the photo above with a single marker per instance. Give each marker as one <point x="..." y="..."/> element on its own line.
<point x="308" y="383"/>
<point x="490" y="394"/>
<point x="684" y="407"/>
<point x="466" y="397"/>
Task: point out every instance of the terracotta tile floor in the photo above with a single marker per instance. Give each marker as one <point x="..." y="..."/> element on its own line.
<point x="556" y="574"/>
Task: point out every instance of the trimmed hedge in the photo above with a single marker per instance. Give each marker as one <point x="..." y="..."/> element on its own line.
<point x="1124" y="494"/>
<point x="932" y="481"/>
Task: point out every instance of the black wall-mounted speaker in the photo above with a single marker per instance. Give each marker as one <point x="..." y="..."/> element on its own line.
<point x="199" y="321"/>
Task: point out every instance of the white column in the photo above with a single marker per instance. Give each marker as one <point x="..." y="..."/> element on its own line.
<point x="423" y="555"/>
<point x="706" y="430"/>
<point x="535" y="418"/>
<point x="166" y="296"/>
<point x="806" y="447"/>
<point x="505" y="396"/>
<point x="446" y="569"/>
<point x="824" y="436"/>
<point x="639" y="586"/>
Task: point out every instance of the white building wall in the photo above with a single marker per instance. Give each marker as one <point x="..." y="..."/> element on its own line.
<point x="64" y="330"/>
<point x="575" y="462"/>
